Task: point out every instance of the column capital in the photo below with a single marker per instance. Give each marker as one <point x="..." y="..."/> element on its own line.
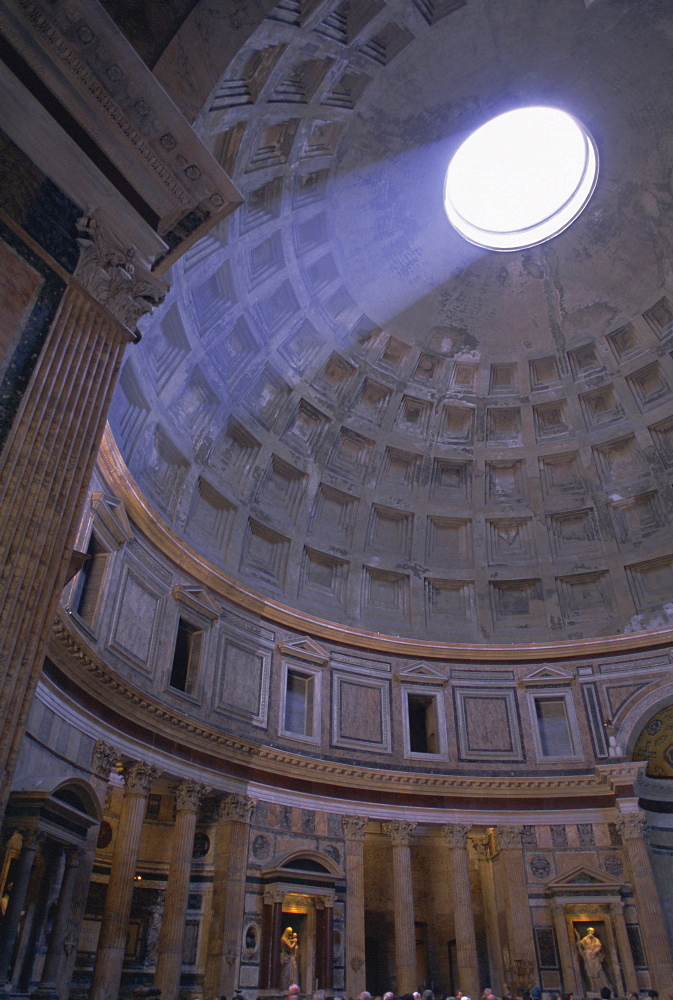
<point x="138" y="777"/>
<point x="273" y="895"/>
<point x="482" y="848"/>
<point x="188" y="795"/>
<point x="508" y="838"/>
<point x="114" y="275"/>
<point x="556" y="906"/>
<point x="73" y="856"/>
<point x="354" y="827"/>
<point x="236" y="807"/>
<point x="399" y="831"/>
<point x="616" y="907"/>
<point x="103" y="759"/>
<point x="32" y="839"/>
<point x="633" y="826"/>
<point x="323" y="902"/>
<point x="456" y="834"/>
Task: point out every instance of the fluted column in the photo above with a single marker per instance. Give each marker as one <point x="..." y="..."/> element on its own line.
<point x="48" y="986"/>
<point x="635" y="834"/>
<point x="17" y="899"/>
<point x="400" y="832"/>
<point x="228" y="898"/>
<point x="519" y="925"/>
<point x="138" y="777"/>
<point x="456" y="836"/>
<point x="354" y="835"/>
<point x="488" y="893"/>
<point x="188" y="795"/>
<point x="572" y="981"/>
<point x="45" y="468"/>
<point x="625" y="954"/>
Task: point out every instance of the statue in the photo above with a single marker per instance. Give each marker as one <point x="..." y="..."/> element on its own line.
<point x="591" y="953"/>
<point x="289" y="951"/>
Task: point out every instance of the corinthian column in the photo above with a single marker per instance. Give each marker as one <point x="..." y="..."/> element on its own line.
<point x="635" y="834"/>
<point x="228" y="898"/>
<point x="455" y="836"/>
<point x="519" y="925"/>
<point x="354" y="835"/>
<point x="138" y="777"/>
<point x="188" y="795"/>
<point x="403" y="897"/>
<point x="17" y="898"/>
<point x="45" y="467"/>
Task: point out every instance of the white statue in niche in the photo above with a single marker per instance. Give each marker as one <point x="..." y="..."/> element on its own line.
<point x="591" y="952"/>
<point x="289" y="953"/>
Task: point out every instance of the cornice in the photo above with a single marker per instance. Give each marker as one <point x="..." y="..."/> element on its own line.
<point x="89" y="674"/>
<point x="121" y="483"/>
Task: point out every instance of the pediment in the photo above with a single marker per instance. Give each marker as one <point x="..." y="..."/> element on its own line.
<point x="304" y="649"/>
<point x="583" y="877"/>
<point x="197" y="601"/>
<point x="422" y="673"/>
<point x="111" y="520"/>
<point x="546" y="675"/>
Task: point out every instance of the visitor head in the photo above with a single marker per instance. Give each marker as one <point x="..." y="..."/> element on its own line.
<point x="606" y="993"/>
<point x="428" y="995"/>
<point x="293" y="990"/>
<point x="388" y="996"/>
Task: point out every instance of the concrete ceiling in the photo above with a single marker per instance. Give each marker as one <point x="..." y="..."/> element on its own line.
<point x="345" y="406"/>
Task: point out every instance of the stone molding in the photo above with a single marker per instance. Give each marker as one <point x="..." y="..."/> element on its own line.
<point x="399" y="831"/>
<point x="354" y="827"/>
<point x="181" y="189"/>
<point x="138" y="777"/>
<point x="188" y="795"/>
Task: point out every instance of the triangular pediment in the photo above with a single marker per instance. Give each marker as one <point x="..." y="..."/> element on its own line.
<point x="546" y="675"/>
<point x="198" y="601"/>
<point x="111" y="521"/>
<point x="582" y="877"/>
<point x="422" y="673"/>
<point x="304" y="649"/>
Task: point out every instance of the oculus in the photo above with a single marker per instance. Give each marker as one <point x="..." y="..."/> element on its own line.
<point x="520" y="178"/>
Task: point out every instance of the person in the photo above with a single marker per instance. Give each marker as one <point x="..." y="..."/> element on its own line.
<point x="289" y="950"/>
<point x="590" y="948"/>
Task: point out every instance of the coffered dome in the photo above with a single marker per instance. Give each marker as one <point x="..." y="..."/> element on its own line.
<point x="346" y="407"/>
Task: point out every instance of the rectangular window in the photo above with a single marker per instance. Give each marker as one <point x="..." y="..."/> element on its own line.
<point x="186" y="657"/>
<point x="299" y="703"/>
<point x="422" y="711"/>
<point x="553" y="728"/>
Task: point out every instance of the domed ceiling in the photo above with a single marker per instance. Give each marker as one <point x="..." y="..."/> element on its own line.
<point x="347" y="408"/>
